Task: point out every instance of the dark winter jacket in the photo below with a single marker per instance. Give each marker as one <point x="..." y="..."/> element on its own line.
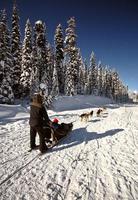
<point x="38" y="115"/>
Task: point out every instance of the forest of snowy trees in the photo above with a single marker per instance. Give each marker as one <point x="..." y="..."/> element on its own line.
<point x="24" y="65"/>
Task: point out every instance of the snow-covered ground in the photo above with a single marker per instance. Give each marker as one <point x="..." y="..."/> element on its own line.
<point x="97" y="161"/>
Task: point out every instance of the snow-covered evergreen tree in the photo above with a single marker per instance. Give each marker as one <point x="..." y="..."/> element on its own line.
<point x="35" y="83"/>
<point x="6" y="62"/>
<point x="26" y="60"/>
<point x="50" y="64"/>
<point x="72" y="59"/>
<point x="2" y="48"/>
<point x="115" y="88"/>
<point x="59" y="56"/>
<point x="39" y="54"/>
<point x="86" y="79"/>
<point x="81" y="82"/>
<point x="93" y="73"/>
<point x="16" y="52"/>
<point x="55" y="86"/>
<point x="100" y="79"/>
<point x="122" y="93"/>
<point x="81" y="75"/>
<point x="108" y="83"/>
<point x="103" y="80"/>
<point x="69" y="80"/>
<point x="6" y="93"/>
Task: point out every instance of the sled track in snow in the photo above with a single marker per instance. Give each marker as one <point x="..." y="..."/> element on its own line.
<point x="18" y="170"/>
<point x="97" y="161"/>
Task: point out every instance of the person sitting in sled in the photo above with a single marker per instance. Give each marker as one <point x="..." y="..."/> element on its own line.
<point x="55" y="124"/>
<point x="60" y="130"/>
<point x="38" y="117"/>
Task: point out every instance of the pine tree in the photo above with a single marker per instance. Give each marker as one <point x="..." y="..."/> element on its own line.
<point x="50" y="68"/>
<point x="100" y="79"/>
<point x="26" y="60"/>
<point x="72" y="60"/>
<point x="93" y="75"/>
<point x="103" y="80"/>
<point x="55" y="86"/>
<point x="115" y="88"/>
<point x="40" y="63"/>
<point x="86" y="87"/>
<point x="108" y="83"/>
<point x="16" y="52"/>
<point x="2" y="48"/>
<point x="6" y="93"/>
<point x="59" y="46"/>
<point x="81" y="79"/>
<point x="81" y="75"/>
<point x="69" y="82"/>
<point x="6" y="62"/>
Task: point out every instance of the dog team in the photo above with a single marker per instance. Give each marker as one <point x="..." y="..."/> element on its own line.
<point x="86" y="116"/>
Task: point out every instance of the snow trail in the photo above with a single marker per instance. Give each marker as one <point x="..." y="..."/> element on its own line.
<point x="97" y="161"/>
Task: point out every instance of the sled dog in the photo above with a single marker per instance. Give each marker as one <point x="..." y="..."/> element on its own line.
<point x="99" y="112"/>
<point x="85" y="116"/>
<point x="104" y="108"/>
<point x="91" y="113"/>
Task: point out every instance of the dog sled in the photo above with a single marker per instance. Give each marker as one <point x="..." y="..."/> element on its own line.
<point x="53" y="136"/>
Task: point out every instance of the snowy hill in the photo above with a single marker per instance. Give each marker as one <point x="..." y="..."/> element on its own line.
<point x="98" y="160"/>
<point x="79" y="102"/>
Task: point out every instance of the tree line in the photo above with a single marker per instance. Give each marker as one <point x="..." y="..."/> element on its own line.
<point x="24" y="65"/>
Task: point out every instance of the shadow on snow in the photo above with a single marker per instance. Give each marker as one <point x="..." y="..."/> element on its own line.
<point x="81" y="135"/>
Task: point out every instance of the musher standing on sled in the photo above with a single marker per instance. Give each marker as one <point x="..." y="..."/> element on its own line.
<point x="38" y="117"/>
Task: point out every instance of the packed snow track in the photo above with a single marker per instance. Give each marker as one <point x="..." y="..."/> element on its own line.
<point x="97" y="161"/>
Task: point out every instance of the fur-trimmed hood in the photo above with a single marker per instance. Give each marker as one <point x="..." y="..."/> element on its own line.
<point x="36" y="104"/>
<point x="37" y="100"/>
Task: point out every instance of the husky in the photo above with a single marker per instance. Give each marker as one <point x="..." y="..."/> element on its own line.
<point x="85" y="116"/>
<point x="91" y="113"/>
<point x="104" y="108"/>
<point x="98" y="113"/>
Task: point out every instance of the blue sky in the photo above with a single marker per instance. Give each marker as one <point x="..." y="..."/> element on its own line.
<point x="107" y="27"/>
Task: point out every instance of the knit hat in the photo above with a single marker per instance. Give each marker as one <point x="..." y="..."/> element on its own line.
<point x="55" y="120"/>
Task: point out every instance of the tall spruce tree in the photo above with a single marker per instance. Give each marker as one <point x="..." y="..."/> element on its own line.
<point x="16" y="52"/>
<point x="6" y="62"/>
<point x="50" y="68"/>
<point x="93" y="75"/>
<point x="100" y="79"/>
<point x="59" y="56"/>
<point x="26" y="60"/>
<point x="86" y="77"/>
<point x="40" y="66"/>
<point x="55" y="86"/>
<point x="108" y="83"/>
<point x="72" y="60"/>
<point x="81" y="74"/>
<point x="115" y="88"/>
<point x="81" y="80"/>
<point x="2" y="47"/>
<point x="69" y="82"/>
